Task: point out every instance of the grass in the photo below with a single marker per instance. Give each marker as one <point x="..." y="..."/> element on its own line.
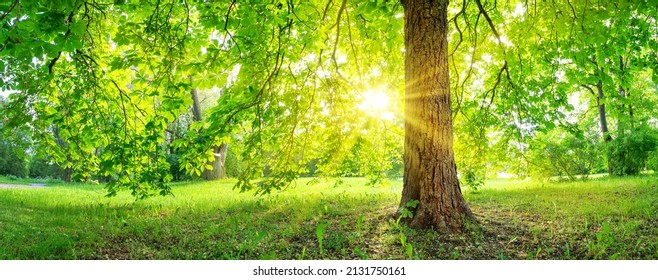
<point x="603" y="218"/>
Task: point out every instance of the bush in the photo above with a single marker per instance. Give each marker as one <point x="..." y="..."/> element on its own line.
<point x="652" y="161"/>
<point x="559" y="153"/>
<point x="232" y="164"/>
<point x="629" y="152"/>
<point x="471" y="178"/>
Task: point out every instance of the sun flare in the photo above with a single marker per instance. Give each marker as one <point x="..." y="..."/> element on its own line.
<point x="374" y="101"/>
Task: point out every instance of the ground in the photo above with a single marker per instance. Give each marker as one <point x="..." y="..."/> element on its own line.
<point x="600" y="218"/>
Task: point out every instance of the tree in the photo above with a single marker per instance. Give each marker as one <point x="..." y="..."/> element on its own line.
<point x="218" y="170"/>
<point x="602" y="48"/>
<point x="430" y="172"/>
<point x="12" y="157"/>
<point x="111" y="76"/>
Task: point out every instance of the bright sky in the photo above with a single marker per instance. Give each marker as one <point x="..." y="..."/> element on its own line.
<point x="4" y="93"/>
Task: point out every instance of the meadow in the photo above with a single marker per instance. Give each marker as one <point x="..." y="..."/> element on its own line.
<point x="600" y="218"/>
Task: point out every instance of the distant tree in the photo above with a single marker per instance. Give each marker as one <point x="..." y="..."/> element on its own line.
<point x="219" y="152"/>
<point x="43" y="167"/>
<point x="12" y="157"/>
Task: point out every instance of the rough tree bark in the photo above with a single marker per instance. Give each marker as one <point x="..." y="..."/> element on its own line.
<point x="218" y="171"/>
<point x="430" y="173"/>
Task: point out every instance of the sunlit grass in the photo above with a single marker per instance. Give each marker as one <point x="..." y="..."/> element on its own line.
<point x="598" y="218"/>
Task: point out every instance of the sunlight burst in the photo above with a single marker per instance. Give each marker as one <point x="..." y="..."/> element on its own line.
<point x="374" y="101"/>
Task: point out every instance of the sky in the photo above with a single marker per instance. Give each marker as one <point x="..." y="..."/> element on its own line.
<point x="4" y="93"/>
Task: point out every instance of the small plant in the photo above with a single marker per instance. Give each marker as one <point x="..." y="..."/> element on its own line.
<point x="604" y="240"/>
<point x="303" y="254"/>
<point x="360" y="253"/>
<point x="537" y="252"/>
<point x="567" y="250"/>
<point x="405" y="212"/>
<point x="455" y="253"/>
<point x="359" y="225"/>
<point x="408" y="249"/>
<point x="319" y="233"/>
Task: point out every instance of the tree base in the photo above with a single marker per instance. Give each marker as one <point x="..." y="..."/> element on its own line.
<point x="454" y="222"/>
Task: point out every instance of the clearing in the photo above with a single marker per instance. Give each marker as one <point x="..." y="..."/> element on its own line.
<point x="603" y="218"/>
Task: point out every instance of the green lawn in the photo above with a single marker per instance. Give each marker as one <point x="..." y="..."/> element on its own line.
<point x="601" y="218"/>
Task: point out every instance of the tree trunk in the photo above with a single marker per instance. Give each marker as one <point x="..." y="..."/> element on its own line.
<point x="604" y="126"/>
<point x="602" y="113"/>
<point x="218" y="171"/>
<point x="430" y="173"/>
<point x="67" y="173"/>
<point x="196" y="105"/>
<point x="624" y="96"/>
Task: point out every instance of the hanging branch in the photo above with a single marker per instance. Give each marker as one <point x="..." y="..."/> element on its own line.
<point x="66" y="36"/>
<point x="333" y="54"/>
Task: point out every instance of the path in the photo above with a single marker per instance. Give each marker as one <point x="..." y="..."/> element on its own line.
<point x="13" y="186"/>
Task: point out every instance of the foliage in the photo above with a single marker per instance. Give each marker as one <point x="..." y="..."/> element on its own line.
<point x="406" y="210"/>
<point x="43" y="167"/>
<point x="560" y="153"/>
<point x="471" y="179"/>
<point x="10" y="162"/>
<point x="99" y="84"/>
<point x="175" y="170"/>
<point x="652" y="161"/>
<point x="12" y="157"/>
<point x="233" y="164"/>
<point x="319" y="233"/>
<point x="629" y="152"/>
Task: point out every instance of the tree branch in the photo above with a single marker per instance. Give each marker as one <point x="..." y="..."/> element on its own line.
<point x="11" y="8"/>
<point x="486" y="16"/>
<point x="66" y="36"/>
<point x="340" y="14"/>
<point x="589" y="88"/>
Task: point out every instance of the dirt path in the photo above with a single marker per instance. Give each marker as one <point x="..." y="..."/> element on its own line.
<point x="12" y="186"/>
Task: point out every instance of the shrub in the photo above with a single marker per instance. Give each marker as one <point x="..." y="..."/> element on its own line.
<point x="629" y="152"/>
<point x="559" y="153"/>
<point x="471" y="178"/>
<point x="652" y="160"/>
<point x="232" y="164"/>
